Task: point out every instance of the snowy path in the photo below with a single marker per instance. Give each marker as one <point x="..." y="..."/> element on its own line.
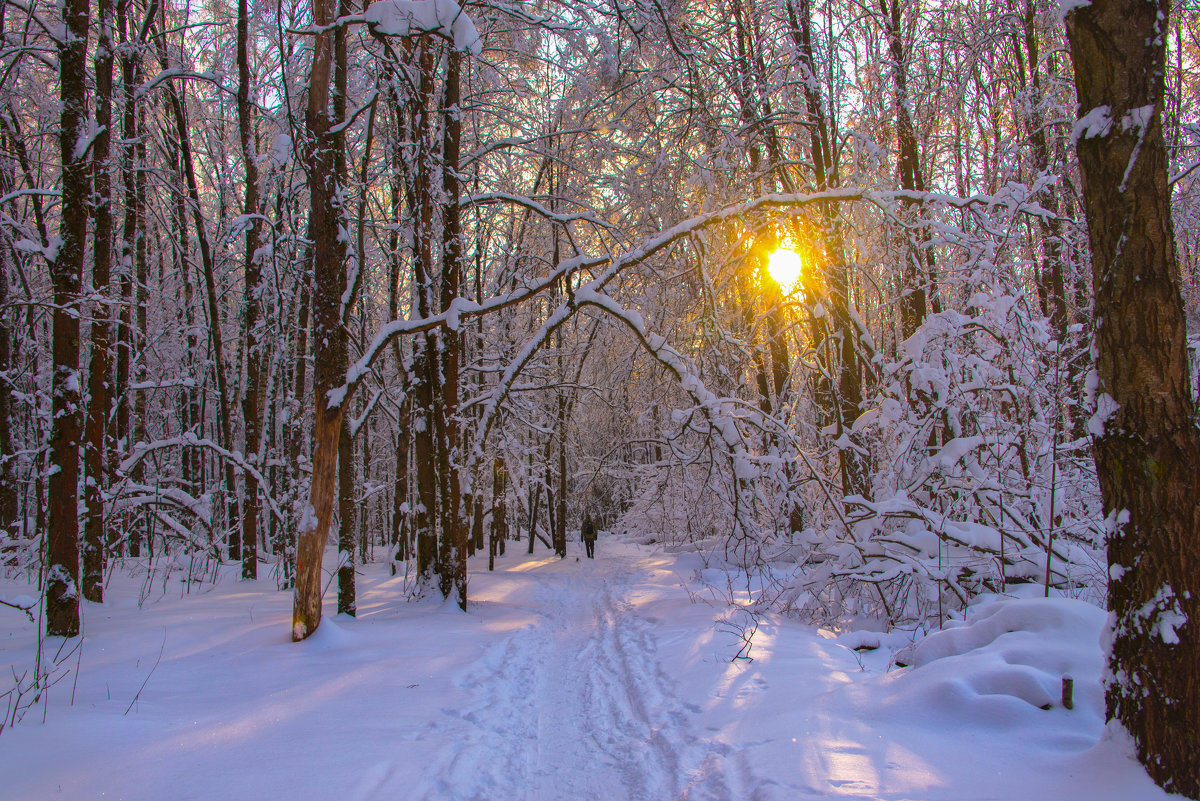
<point x="566" y="679"/>
<point x="578" y="707"/>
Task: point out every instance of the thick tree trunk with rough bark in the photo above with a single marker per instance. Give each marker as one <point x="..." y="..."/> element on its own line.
<point x="425" y="451"/>
<point x="1148" y="452"/>
<point x="62" y="576"/>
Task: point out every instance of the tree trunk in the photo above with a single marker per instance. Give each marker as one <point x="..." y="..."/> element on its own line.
<point x="329" y="372"/>
<point x="560" y="501"/>
<point x="96" y="453"/>
<point x="1147" y="454"/>
<point x="346" y="603"/>
<point x="191" y="416"/>
<point x="251" y="412"/>
<point x="913" y="305"/>
<point x="1053" y="289"/>
<point x="295" y="433"/>
<point x="425" y="356"/>
<point x="8" y="483"/>
<point x="126" y="345"/>
<point x="535" y="503"/>
<point x="499" y="528"/>
<point x="840" y="402"/>
<point x="477" y="524"/>
<point x="66" y="269"/>
<point x="454" y="528"/>
<point x="139" y="297"/>
<point x="401" y="547"/>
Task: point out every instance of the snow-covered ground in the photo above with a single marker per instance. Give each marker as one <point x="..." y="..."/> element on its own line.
<point x="571" y="679"/>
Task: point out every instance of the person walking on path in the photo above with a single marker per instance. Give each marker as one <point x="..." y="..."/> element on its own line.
<point x="587" y="533"/>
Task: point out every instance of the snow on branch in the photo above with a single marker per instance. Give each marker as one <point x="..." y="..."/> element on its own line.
<point x="533" y="205"/>
<point x="22" y="603"/>
<point x="714" y="409"/>
<point x="171" y="74"/>
<point x="191" y="440"/>
<point x="461" y="308"/>
<point x="416" y="17"/>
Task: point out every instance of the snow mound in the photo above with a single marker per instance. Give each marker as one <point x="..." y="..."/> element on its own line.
<point x="1055" y="619"/>
<point x="1005" y="662"/>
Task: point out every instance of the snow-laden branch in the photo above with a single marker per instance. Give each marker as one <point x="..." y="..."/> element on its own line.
<point x="357" y="424"/>
<point x="525" y="142"/>
<point x="171" y="74"/>
<point x="22" y="603"/>
<point x="717" y="411"/>
<point x="714" y="408"/>
<point x="462" y="309"/>
<point x="53" y="27"/>
<point x="533" y="205"/>
<point x="20" y="193"/>
<point x="141" y="450"/>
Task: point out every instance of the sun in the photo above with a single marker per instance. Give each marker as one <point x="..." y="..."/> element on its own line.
<point x="785" y="267"/>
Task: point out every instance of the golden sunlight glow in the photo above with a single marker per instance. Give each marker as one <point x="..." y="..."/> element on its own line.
<point x="786" y="268"/>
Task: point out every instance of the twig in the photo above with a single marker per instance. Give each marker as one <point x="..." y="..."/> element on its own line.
<point x="25" y="609"/>
<point x="138" y="694"/>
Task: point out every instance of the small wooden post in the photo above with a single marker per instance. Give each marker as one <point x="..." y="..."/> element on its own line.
<point x="1068" y="691"/>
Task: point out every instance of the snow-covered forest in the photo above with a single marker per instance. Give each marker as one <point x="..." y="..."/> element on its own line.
<point x="848" y="324"/>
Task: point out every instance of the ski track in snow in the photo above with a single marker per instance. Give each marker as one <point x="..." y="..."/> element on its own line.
<point x="578" y="707"/>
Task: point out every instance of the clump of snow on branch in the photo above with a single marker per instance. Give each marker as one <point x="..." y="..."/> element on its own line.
<point x="415" y="17"/>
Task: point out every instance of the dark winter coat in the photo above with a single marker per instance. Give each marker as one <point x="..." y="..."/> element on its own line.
<point x="588" y="532"/>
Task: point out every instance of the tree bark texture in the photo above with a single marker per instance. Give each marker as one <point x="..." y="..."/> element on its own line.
<point x="8" y="484"/>
<point x="425" y="356"/>
<point x="100" y="369"/>
<point x="251" y="270"/>
<point x="1148" y="453"/>
<point x="329" y="373"/>
<point x="66" y="269"/>
<point x="454" y="526"/>
<point x="346" y="603"/>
